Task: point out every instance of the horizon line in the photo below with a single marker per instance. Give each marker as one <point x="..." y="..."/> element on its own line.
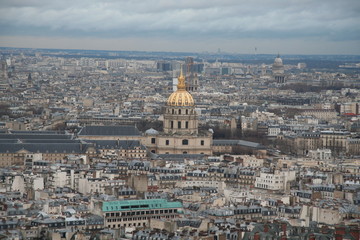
<point x="182" y="52"/>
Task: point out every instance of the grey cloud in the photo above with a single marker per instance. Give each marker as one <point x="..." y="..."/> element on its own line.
<point x="236" y="19"/>
<point x="202" y="15"/>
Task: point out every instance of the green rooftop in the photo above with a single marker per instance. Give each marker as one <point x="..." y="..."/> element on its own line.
<point x="126" y="205"/>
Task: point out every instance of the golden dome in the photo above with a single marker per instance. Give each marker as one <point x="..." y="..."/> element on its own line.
<point x="181" y="98"/>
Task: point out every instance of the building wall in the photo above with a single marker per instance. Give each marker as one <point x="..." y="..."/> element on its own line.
<point x="138" y="218"/>
<point x="88" y="186"/>
<point x="323" y="114"/>
<point x="106" y="137"/>
<point x="328" y="216"/>
<point x="270" y="181"/>
<point x="176" y="146"/>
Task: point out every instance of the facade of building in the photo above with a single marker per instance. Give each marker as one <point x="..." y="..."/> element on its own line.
<point x="320" y="154"/>
<point x="278" y="70"/>
<point x="322" y="114"/>
<point x="181" y="133"/>
<point x="137" y="213"/>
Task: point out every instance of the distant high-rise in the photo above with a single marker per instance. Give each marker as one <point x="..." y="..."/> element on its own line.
<point x="191" y="75"/>
<point x="4" y="81"/>
<point x="278" y="70"/>
<point x="29" y="81"/>
<point x="4" y="74"/>
<point x="163" y="66"/>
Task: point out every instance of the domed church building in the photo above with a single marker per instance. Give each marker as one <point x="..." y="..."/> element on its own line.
<point x="181" y="127"/>
<point x="278" y="70"/>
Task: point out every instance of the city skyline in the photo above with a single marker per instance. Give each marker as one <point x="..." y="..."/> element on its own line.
<point x="321" y="27"/>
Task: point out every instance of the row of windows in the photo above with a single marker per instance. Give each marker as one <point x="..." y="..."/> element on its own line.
<point x="173" y="111"/>
<point x="135" y="224"/>
<point x="184" y="142"/>
<point x="118" y="214"/>
<point x="179" y="124"/>
<point x="125" y="225"/>
<point x="126" y="219"/>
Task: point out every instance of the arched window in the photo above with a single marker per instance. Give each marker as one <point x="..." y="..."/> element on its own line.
<point x="185" y="142"/>
<point x="186" y="124"/>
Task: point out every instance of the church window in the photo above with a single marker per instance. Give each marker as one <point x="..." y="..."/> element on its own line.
<point x="202" y="142"/>
<point x="179" y="111"/>
<point x="153" y="141"/>
<point x="172" y="124"/>
<point x="185" y="142"/>
<point x="167" y="142"/>
<point x="179" y="124"/>
<point x="173" y="111"/>
<point x="186" y="124"/>
<point x="187" y="111"/>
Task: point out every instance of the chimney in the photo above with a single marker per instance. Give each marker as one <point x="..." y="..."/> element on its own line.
<point x="340" y="230"/>
<point x="339" y="237"/>
<point x="266" y="227"/>
<point x="355" y="231"/>
<point x="312" y="237"/>
<point x="324" y="229"/>
<point x="284" y="228"/>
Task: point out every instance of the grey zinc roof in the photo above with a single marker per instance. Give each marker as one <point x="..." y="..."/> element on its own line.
<point x="237" y="143"/>
<point x="35" y="136"/>
<point x="116" y="144"/>
<point x="50" y="141"/>
<point x="151" y="131"/>
<point x="123" y="130"/>
<point x="180" y="157"/>
<point x="34" y="132"/>
<point x="44" y="147"/>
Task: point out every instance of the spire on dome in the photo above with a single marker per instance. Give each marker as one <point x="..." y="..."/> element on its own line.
<point x="181" y="80"/>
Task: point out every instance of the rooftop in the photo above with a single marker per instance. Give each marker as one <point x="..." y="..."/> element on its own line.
<point x="124" y="130"/>
<point x="139" y="205"/>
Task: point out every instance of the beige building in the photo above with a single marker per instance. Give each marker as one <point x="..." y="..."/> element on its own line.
<point x="277" y="180"/>
<point x="336" y="141"/>
<point x="353" y="146"/>
<point x="181" y="134"/>
<point x="323" y="114"/>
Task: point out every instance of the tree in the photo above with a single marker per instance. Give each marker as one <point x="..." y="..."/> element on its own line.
<point x="4" y="110"/>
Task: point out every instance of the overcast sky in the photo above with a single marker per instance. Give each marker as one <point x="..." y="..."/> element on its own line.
<point x="237" y="26"/>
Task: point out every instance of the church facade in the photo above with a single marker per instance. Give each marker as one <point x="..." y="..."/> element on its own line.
<point x="181" y="133"/>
